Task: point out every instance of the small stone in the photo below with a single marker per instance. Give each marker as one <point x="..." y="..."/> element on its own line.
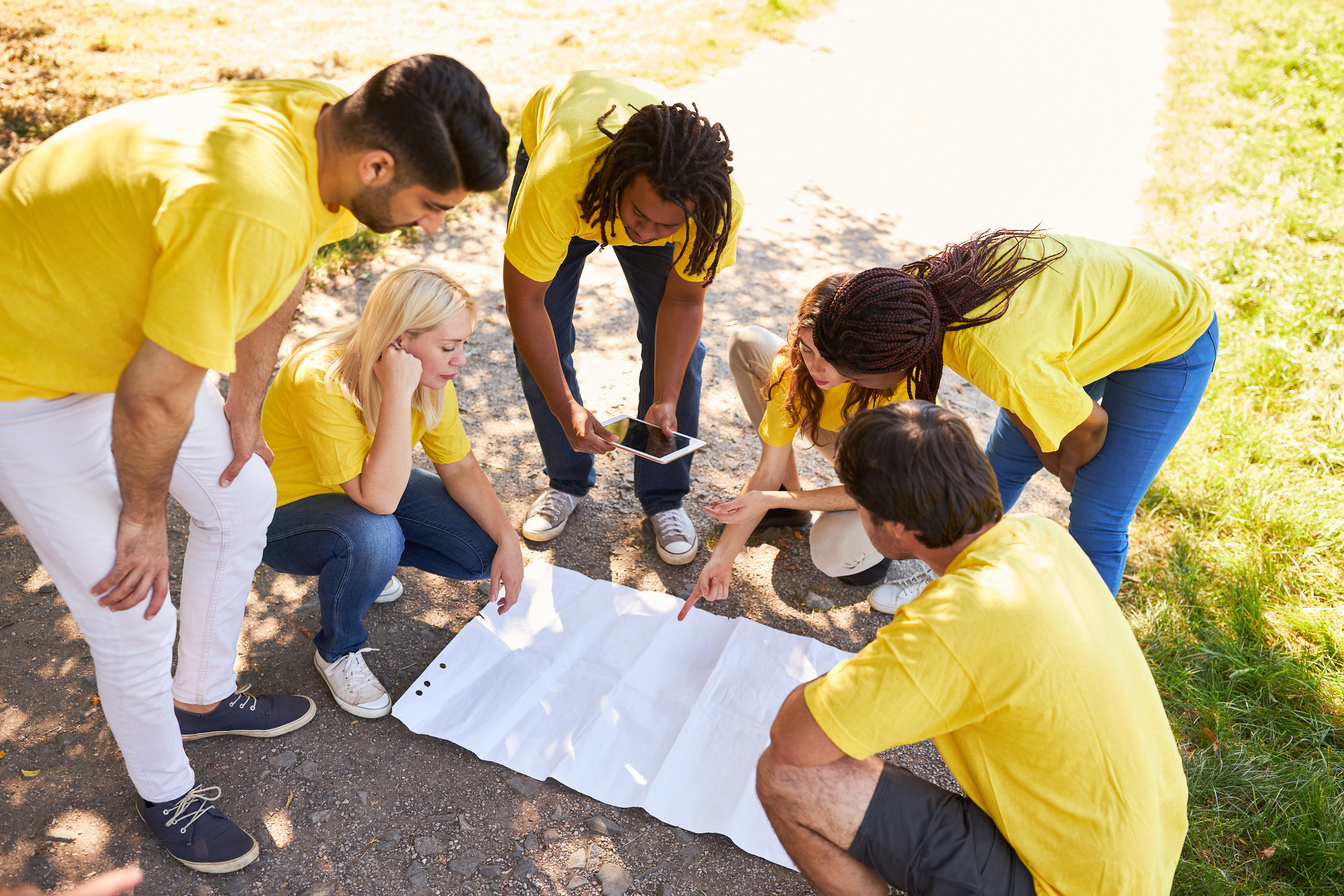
<point x="321" y="815"/>
<point x="264" y="839"/>
<point x="237" y="886"/>
<point x="682" y="836"/>
<point x="48" y="588"/>
<point x="578" y="859"/>
<point x="773" y="533"/>
<point x="576" y="881"/>
<point x="363" y="797"/>
<point x="66" y="741"/>
<point x="551" y="835"/>
<point x="600" y="824"/>
<point x="309" y="771"/>
<point x="528" y="787"/>
<point x="442" y="819"/>
<point x="385" y="845"/>
<point x="319" y="890"/>
<point x="815" y="601"/>
<point x="615" y="880"/>
<point x="664" y="890"/>
<point x="524" y="868"/>
<point x="462" y="824"/>
<point x="417" y="876"/>
<point x="465" y="866"/>
<point x="557" y="814"/>
<point x="428" y="846"/>
<point x="531" y="844"/>
<point x="284" y="760"/>
<point x="491" y="872"/>
<point x="689" y="852"/>
<point x="684" y="592"/>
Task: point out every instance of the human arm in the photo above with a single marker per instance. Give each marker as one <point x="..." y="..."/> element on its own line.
<point x="680" y="316"/>
<point x="525" y="302"/>
<point x="387" y="467"/>
<point x="797" y="739"/>
<point x="110" y="883"/>
<point x="255" y="361"/>
<point x="1079" y="446"/>
<point x="151" y="413"/>
<point x="468" y="485"/>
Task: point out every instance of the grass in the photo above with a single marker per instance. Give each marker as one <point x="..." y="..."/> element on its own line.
<point x="1239" y="553"/>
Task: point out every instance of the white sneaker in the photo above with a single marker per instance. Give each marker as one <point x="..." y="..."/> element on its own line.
<point x="353" y="684"/>
<point x="674" y="536"/>
<point x="548" y="515"/>
<point x="391" y="592"/>
<point x="905" y="581"/>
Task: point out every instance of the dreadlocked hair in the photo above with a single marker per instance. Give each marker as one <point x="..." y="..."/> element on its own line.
<point x="886" y="320"/>
<point x="685" y="158"/>
<point x="803" y="398"/>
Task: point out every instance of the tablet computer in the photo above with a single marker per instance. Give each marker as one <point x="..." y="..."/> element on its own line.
<point x="649" y="442"/>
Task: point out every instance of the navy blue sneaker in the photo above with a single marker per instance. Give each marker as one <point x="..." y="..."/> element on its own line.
<point x="265" y="715"/>
<point x="197" y="834"/>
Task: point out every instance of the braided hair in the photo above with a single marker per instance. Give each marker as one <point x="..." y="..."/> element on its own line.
<point x="685" y="158"/>
<point x="803" y="398"/>
<point x="886" y="320"/>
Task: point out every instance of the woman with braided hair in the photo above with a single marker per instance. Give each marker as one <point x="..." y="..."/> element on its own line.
<point x="607" y="160"/>
<point x="788" y="391"/>
<point x="1097" y="356"/>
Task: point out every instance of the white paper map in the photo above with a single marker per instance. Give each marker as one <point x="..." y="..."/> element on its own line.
<point x="599" y="687"/>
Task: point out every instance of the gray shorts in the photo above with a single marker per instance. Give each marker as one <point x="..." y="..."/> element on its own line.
<point x="927" y="841"/>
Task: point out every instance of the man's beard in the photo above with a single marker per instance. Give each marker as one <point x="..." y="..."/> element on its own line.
<point x="371" y="207"/>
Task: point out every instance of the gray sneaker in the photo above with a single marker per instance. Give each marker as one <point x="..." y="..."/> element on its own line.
<point x="549" y="514"/>
<point x="674" y="536"/>
<point x="906" y="579"/>
<point x="356" y="689"/>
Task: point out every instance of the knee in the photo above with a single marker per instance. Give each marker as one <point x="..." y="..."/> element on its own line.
<point x="839" y="545"/>
<point x="376" y="538"/>
<point x="748" y="346"/>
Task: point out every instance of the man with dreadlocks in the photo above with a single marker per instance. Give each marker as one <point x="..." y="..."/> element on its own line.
<point x="606" y="160"/>
<point x="1097" y="356"/>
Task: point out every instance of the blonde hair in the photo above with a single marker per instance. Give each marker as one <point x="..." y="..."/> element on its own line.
<point x="410" y="300"/>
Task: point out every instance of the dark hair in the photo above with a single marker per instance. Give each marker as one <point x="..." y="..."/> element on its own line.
<point x="434" y="116"/>
<point x="685" y="158"/>
<point x="886" y="320"/>
<point x="803" y="400"/>
<point x="917" y="464"/>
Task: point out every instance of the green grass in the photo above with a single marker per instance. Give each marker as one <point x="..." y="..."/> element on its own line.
<point x="1239" y="553"/>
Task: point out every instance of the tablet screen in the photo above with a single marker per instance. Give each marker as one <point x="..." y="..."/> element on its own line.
<point x="639" y="436"/>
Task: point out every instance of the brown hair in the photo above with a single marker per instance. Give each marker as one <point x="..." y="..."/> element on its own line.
<point x="886" y="320"/>
<point x="803" y="399"/>
<point x="685" y="158"/>
<point x="917" y="464"/>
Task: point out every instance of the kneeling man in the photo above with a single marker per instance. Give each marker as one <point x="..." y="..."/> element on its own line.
<point x="1019" y="665"/>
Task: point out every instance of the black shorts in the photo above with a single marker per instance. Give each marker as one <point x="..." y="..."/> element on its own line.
<point x="928" y="841"/>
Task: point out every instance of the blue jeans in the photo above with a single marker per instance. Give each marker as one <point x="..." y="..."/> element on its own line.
<point x="353" y="551"/>
<point x="1148" y="410"/>
<point x="658" y="486"/>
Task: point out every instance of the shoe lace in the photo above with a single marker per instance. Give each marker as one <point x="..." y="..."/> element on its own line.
<point x="672" y="526"/>
<point x="184" y="814"/>
<point x="243" y="700"/>
<point x="353" y="670"/>
<point x="907" y="573"/>
<point x="554" y="506"/>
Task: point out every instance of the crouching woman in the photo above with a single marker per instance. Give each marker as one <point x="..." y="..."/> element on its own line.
<point x="343" y="415"/>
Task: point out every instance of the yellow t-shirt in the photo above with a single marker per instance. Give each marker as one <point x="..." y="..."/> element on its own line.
<point x="319" y="438"/>
<point x="562" y="141"/>
<point x="1099" y="309"/>
<point x="187" y="219"/>
<point x="777" y="430"/>
<point x="1020" y="666"/>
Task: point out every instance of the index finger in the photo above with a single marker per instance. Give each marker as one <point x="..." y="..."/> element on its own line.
<point x="696" y="593"/>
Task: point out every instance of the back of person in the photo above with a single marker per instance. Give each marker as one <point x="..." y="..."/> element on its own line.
<point x="1044" y="708"/>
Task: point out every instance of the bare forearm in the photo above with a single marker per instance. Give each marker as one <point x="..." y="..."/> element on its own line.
<point x="146" y="435"/>
<point x="468" y="485"/>
<point x="387" y="468"/>
<point x="680" y="317"/>
<point x="255" y="356"/>
<point x="525" y="303"/>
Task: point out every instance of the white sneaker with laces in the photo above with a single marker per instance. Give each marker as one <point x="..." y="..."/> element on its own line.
<point x="391" y="592"/>
<point x="353" y="684"/>
<point x="905" y="580"/>
<point x="674" y="536"/>
<point x="549" y="514"/>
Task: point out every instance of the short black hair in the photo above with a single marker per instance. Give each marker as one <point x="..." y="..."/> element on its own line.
<point x="917" y="464"/>
<point x="434" y="116"/>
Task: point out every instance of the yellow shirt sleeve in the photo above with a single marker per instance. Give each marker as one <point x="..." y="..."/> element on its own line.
<point x="447" y="442"/>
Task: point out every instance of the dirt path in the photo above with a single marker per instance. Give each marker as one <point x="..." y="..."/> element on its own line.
<point x="848" y="145"/>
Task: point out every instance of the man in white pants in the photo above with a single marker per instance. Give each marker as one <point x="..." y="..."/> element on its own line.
<point x="143" y="246"/>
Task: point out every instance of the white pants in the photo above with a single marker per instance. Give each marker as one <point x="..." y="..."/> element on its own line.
<point x="58" y="479"/>
<point x="840" y="547"/>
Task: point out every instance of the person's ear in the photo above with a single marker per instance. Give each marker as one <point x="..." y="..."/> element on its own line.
<point x="376" y="167"/>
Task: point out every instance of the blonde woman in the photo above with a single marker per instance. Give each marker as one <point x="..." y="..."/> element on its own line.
<point x="342" y="417"/>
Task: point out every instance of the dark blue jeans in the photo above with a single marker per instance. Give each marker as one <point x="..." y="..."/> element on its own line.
<point x="658" y="486"/>
<point x="353" y="551"/>
<point x="1149" y="409"/>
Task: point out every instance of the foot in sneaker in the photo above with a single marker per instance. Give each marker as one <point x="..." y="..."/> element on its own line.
<point x="674" y="536"/>
<point x="391" y="592"/>
<point x="265" y="715"/>
<point x="197" y="834"/>
<point x="874" y="573"/>
<point x="905" y="581"/>
<point x="549" y="514"/>
<point x="356" y="689"/>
